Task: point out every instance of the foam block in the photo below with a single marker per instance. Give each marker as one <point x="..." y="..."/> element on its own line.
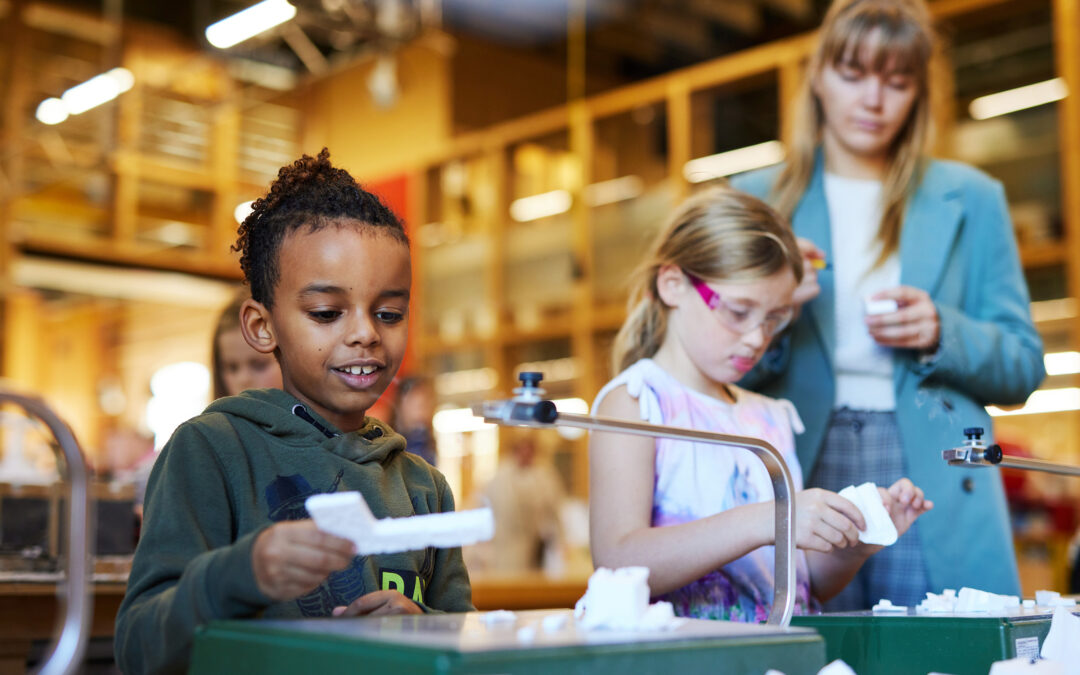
<point x="879" y="526"/>
<point x="346" y="515"/>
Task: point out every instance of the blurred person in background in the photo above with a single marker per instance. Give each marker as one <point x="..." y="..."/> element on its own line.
<point x="235" y="365"/>
<point x="411" y="415"/>
<point x="526" y="496"/>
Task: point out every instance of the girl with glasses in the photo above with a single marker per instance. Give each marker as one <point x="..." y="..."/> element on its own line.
<point x="715" y="288"/>
<point x="883" y="389"/>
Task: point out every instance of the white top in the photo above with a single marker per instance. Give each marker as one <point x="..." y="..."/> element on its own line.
<point x="864" y="369"/>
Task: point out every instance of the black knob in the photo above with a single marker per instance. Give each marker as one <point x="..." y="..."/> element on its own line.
<point x="545" y="412"/>
<point x="993" y="454"/>
<point x="973" y="433"/>
<point x="530" y="379"/>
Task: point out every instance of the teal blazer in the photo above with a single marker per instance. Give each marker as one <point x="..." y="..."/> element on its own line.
<point x="957" y="244"/>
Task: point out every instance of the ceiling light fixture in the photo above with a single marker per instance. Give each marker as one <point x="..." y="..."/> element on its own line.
<point x="82" y="97"/>
<point x="733" y="161"/>
<point x="1012" y="100"/>
<point x="248" y="23"/>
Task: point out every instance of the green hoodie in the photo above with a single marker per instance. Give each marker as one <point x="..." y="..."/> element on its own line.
<point x="249" y="461"/>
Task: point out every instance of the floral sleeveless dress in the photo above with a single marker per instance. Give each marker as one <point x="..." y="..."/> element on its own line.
<point x="696" y="480"/>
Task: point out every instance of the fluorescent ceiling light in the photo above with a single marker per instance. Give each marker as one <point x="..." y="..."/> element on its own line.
<point x="249" y="23"/>
<point x="733" y="161"/>
<point x="1011" y="100"/>
<point x="539" y="206"/>
<point x="82" y="97"/>
<point x="1062" y="363"/>
<point x="97" y="90"/>
<point x="242" y="211"/>
<point x="612" y="191"/>
<point x="51" y="111"/>
<point x="1044" y="401"/>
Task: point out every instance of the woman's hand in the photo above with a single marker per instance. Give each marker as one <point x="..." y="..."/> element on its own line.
<point x="808" y="288"/>
<point x="914" y="325"/>
<point x="825" y="521"/>
<point x="292" y="558"/>
<point x="379" y="603"/>
<point x="905" y="502"/>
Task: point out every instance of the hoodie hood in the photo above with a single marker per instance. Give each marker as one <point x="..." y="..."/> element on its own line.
<point x="282" y="416"/>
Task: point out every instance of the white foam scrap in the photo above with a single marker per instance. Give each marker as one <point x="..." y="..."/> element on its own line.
<point x="346" y="515"/>
<point x="553" y="623"/>
<point x="526" y="634"/>
<point x="773" y="671"/>
<point x="1028" y="603"/>
<point x="1025" y="666"/>
<point x="1062" y="643"/>
<point x="1053" y="599"/>
<point x="498" y="616"/>
<point x="935" y="603"/>
<point x="619" y="600"/>
<point x="1046" y="598"/>
<point x="837" y="667"/>
<point x="885" y="605"/>
<point x="968" y="600"/>
<point x="879" y="526"/>
<point x="880" y="306"/>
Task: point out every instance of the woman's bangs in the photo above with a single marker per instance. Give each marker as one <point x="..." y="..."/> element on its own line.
<point x="878" y="44"/>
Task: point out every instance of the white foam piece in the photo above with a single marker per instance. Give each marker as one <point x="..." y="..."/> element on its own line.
<point x="879" y="526"/>
<point x="880" y="306"/>
<point x="346" y="515"/>
<point x="1062" y="643"/>
<point x="1024" y="666"/>
<point x="837" y="667"/>
<point x="1047" y="598"/>
<point x="554" y="623"/>
<point x="526" y="634"/>
<point x="1029" y="604"/>
<point x="619" y="600"/>
<point x="498" y="616"/>
<point x="885" y="605"/>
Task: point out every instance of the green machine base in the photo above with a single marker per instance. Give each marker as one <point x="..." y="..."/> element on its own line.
<point x="884" y="643"/>
<point x="467" y="643"/>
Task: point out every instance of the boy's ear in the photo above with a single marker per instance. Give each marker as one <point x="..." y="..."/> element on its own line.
<point x="256" y="327"/>
<point x="671" y="285"/>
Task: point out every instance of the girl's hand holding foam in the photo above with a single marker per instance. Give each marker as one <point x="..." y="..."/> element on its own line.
<point x="905" y="502"/>
<point x="825" y="521"/>
<point x="379" y="603"/>
<point x="292" y="558"/>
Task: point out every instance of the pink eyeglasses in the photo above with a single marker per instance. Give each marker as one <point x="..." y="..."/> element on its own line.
<point x="741" y="320"/>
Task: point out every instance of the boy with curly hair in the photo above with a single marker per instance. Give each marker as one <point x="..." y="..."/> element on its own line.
<point x="226" y="534"/>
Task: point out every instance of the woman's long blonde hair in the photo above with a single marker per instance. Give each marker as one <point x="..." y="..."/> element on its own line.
<point x="719" y="235"/>
<point x="904" y="40"/>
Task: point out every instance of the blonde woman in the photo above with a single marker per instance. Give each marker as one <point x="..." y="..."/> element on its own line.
<point x="717" y="285"/>
<point x="919" y="316"/>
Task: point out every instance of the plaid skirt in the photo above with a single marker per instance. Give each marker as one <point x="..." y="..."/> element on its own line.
<point x="863" y="446"/>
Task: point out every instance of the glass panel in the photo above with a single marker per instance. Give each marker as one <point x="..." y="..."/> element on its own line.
<point x="539" y="266"/>
<point x="734" y="128"/>
<point x="268" y="140"/>
<point x="993" y="51"/>
<point x="170" y="215"/>
<point x="456" y="245"/>
<point x="630" y="194"/>
<point x="175" y="130"/>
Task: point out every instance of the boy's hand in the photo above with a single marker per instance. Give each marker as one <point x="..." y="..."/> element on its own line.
<point x="905" y="502"/>
<point x="292" y="558"/>
<point x="379" y="603"/>
<point x="825" y="521"/>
